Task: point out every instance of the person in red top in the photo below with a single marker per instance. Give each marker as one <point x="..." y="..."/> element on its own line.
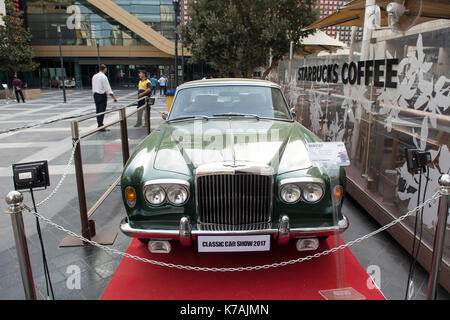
<point x="18" y="85"/>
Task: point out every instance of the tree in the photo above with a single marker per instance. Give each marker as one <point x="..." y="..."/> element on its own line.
<point x="238" y="36"/>
<point x="15" y="50"/>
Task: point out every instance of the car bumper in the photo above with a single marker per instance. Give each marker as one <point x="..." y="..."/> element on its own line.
<point x="186" y="235"/>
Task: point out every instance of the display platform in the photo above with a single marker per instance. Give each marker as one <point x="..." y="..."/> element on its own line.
<point x="135" y="280"/>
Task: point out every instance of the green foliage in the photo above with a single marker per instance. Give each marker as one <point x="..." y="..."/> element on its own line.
<point x="15" y="50"/>
<point x="238" y="36"/>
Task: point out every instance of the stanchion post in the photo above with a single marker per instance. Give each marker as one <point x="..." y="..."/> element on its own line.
<point x="14" y="199"/>
<point x="147" y="114"/>
<point x="80" y="183"/>
<point x="439" y="238"/>
<point x="124" y="135"/>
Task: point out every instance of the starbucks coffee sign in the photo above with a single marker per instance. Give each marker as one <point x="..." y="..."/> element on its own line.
<point x="378" y="73"/>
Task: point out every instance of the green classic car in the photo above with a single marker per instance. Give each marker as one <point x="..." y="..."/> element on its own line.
<point x="229" y="170"/>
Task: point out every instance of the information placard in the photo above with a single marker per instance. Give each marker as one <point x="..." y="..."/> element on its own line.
<point x="328" y="152"/>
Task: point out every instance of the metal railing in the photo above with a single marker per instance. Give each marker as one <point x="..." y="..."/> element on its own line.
<point x="116" y="116"/>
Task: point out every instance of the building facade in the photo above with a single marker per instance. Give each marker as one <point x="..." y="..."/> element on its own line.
<point x="126" y="35"/>
<point x="2" y="11"/>
<point x="344" y="34"/>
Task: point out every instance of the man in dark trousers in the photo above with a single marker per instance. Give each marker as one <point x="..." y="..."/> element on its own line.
<point x="18" y="86"/>
<point x="101" y="90"/>
<point x="144" y="90"/>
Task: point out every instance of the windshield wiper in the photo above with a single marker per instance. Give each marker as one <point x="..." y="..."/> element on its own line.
<point x="189" y="117"/>
<point x="236" y="115"/>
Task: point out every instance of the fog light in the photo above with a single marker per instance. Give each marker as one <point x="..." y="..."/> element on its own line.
<point x="159" y="246"/>
<point x="307" y="244"/>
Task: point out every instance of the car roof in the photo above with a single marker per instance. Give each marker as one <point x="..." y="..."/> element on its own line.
<point x="228" y="82"/>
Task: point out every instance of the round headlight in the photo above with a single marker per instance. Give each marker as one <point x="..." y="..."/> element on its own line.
<point x="155" y="195"/>
<point x="177" y="195"/>
<point x="312" y="192"/>
<point x="290" y="193"/>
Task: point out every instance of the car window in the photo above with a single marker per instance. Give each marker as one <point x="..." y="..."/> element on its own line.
<point x="264" y="102"/>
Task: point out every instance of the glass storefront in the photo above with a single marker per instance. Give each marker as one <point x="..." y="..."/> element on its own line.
<point x="42" y="16"/>
<point x="404" y="107"/>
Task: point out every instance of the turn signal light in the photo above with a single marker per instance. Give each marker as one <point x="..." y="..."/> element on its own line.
<point x="338" y="193"/>
<point x="130" y="196"/>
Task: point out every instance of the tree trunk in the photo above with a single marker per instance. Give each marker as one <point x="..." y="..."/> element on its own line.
<point x="237" y="73"/>
<point x="221" y="70"/>
<point x="249" y="73"/>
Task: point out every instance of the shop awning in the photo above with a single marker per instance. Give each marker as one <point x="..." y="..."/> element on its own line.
<point x="317" y="42"/>
<point x="352" y="14"/>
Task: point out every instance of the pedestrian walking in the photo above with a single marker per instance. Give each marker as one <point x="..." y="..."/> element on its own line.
<point x="17" y="84"/>
<point x="162" y="85"/>
<point x="101" y="89"/>
<point x="144" y="90"/>
<point x="154" y="84"/>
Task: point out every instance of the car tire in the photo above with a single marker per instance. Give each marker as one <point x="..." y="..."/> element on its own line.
<point x="144" y="241"/>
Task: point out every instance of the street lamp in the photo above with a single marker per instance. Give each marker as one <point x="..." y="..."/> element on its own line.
<point x="97" y="44"/>
<point x="182" y="58"/>
<point x="58" y="29"/>
<point x="98" y="52"/>
<point x="176" y="6"/>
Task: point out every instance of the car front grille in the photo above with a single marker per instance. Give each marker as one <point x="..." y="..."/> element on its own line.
<point x="239" y="201"/>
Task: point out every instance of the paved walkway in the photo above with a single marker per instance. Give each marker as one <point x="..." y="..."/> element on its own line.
<point x="52" y="142"/>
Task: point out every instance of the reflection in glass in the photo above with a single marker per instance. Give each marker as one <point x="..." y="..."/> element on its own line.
<point x="94" y="24"/>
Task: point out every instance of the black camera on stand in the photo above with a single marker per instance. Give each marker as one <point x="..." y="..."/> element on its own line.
<point x="417" y="160"/>
<point x="31" y="175"/>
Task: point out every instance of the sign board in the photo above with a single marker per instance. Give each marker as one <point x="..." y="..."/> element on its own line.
<point x="233" y="243"/>
<point x="342" y="294"/>
<point x="328" y="152"/>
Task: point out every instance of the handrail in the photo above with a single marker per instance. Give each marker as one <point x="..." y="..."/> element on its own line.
<point x="88" y="225"/>
<point x="90" y="116"/>
<point x="442" y="118"/>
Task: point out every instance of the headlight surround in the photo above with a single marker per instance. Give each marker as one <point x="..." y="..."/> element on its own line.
<point x="166" y="191"/>
<point x="312" y="192"/>
<point x="290" y="193"/>
<point x="177" y="195"/>
<point x="155" y="195"/>
<point x="306" y="189"/>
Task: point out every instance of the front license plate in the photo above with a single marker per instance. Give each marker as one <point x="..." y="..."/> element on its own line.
<point x="233" y="243"/>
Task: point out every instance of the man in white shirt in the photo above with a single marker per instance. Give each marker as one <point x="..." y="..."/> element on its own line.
<point x="101" y="89"/>
<point x="162" y="85"/>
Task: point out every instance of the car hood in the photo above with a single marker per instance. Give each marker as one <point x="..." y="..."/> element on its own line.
<point x="184" y="146"/>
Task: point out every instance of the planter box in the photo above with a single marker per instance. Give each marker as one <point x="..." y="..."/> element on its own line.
<point x="28" y="93"/>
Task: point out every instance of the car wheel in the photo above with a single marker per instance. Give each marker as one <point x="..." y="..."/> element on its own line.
<point x="144" y="241"/>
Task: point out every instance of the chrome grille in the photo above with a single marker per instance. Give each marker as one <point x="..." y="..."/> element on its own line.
<point x="233" y="201"/>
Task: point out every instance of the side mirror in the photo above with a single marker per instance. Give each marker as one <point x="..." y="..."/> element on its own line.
<point x="164" y="115"/>
<point x="293" y="111"/>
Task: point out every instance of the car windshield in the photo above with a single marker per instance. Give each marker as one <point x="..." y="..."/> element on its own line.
<point x="233" y="101"/>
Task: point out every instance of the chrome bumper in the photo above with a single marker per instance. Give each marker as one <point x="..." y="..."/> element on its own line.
<point x="185" y="234"/>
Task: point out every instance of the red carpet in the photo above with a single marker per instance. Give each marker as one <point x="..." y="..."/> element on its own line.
<point x="135" y="280"/>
